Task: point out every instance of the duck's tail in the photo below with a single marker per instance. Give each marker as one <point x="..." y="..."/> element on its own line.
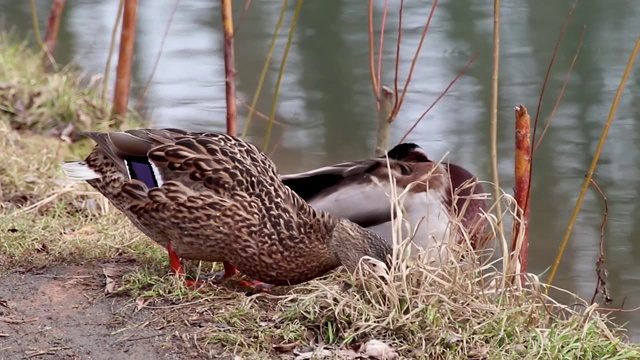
<point x="79" y="170"/>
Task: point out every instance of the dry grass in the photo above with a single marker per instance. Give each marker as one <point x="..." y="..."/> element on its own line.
<point x="460" y="310"/>
<point x="61" y="104"/>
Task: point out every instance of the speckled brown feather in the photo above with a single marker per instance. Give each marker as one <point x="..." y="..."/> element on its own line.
<point x="222" y="200"/>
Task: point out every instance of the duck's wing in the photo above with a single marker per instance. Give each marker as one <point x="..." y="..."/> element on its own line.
<point x="358" y="191"/>
<point x="310" y="183"/>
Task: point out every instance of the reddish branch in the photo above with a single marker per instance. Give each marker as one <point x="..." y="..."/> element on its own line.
<point x="229" y="66"/>
<point x="564" y="86"/>
<point x="125" y="59"/>
<point x="398" y="102"/>
<point x="230" y="86"/>
<point x="372" y="71"/>
<point x="523" y="183"/>
<point x="381" y="45"/>
<point x="51" y="38"/>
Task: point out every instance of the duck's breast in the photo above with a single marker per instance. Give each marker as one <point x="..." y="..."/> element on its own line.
<point x="426" y="219"/>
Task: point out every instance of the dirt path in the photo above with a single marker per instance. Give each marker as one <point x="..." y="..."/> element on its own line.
<point x="59" y="313"/>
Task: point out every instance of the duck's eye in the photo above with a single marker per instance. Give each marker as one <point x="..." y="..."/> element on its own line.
<point x="405" y="169"/>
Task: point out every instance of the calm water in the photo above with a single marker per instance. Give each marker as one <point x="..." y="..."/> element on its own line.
<point x="329" y="114"/>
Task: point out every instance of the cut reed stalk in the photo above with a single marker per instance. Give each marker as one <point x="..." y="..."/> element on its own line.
<point x="523" y="182"/>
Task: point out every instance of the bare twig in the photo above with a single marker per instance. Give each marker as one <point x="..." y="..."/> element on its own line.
<point x="601" y="271"/>
<point x="564" y="85"/>
<point x="399" y="102"/>
<point x="544" y="85"/>
<point x="10" y="320"/>
<point x="229" y="67"/>
<point x="397" y="70"/>
<point x="372" y="70"/>
<point x="112" y="46"/>
<point x="380" y="46"/>
<point x="551" y="61"/>
<point x="143" y="94"/>
<point x="594" y="162"/>
<point x="245" y="10"/>
<point x="125" y="59"/>
<point x="460" y="73"/>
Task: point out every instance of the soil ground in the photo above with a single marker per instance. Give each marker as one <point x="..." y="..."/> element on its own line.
<point x="60" y="312"/>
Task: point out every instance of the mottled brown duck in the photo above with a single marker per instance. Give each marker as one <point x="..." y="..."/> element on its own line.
<point x="214" y="197"/>
<point x="359" y="191"/>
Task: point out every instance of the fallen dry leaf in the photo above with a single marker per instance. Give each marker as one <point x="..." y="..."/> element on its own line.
<point x="84" y="232"/>
<point x="141" y="303"/>
<point x="317" y="354"/>
<point x="379" y="350"/>
<point x="110" y="273"/>
<point x="31" y="179"/>
<point x="42" y="248"/>
<point x="285" y="347"/>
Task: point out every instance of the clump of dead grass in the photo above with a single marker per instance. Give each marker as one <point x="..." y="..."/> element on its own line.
<point x="461" y="309"/>
<point x="60" y="104"/>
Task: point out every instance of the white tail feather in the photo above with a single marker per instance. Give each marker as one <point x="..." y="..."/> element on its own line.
<point x="79" y="170"/>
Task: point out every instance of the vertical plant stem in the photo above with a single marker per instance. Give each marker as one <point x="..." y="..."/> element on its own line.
<point x="385" y="98"/>
<point x="395" y="79"/>
<point x="372" y="69"/>
<point x="494" y="110"/>
<point x="265" y="67"/>
<point x="34" y="20"/>
<point x="125" y="59"/>
<point x="523" y="182"/>
<point x="381" y="44"/>
<point x="112" y="47"/>
<point x="229" y="66"/>
<point x="594" y="162"/>
<point x="51" y="37"/>
<point x="283" y="63"/>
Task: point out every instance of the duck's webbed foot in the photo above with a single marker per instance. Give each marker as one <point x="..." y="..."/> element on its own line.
<point x="220" y="278"/>
<point x="255" y="286"/>
<point x="250" y="286"/>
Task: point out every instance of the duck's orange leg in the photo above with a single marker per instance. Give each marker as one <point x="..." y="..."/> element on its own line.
<point x="174" y="261"/>
<point x="254" y="285"/>
<point x="176" y="268"/>
<point x="229" y="271"/>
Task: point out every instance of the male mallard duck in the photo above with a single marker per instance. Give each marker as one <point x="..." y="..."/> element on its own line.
<point x="214" y="197"/>
<point x="352" y="191"/>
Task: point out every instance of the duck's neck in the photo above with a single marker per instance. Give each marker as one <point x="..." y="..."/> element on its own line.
<point x="350" y="242"/>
